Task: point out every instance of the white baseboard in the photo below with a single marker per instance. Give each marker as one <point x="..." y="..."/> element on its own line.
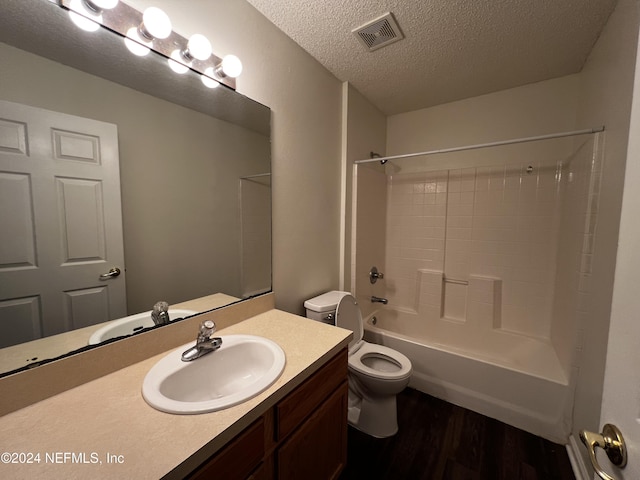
<point x="577" y="464"/>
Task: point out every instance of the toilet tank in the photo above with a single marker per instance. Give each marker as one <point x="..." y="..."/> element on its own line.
<point x="323" y="307"/>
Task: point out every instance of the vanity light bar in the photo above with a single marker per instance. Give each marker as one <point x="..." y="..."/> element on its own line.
<point x="123" y="18"/>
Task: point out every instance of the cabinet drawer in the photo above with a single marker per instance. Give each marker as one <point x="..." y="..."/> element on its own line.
<point x="304" y="400"/>
<point x="239" y="458"/>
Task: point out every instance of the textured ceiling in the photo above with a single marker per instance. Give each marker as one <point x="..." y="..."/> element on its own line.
<point x="453" y="49"/>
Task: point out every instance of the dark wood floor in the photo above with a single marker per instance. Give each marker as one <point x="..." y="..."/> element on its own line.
<point x="441" y="441"/>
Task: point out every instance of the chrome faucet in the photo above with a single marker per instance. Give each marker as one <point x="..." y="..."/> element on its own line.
<point x="375" y="299"/>
<point x="160" y="314"/>
<point x="204" y="343"/>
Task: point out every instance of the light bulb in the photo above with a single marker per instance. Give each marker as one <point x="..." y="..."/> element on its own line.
<point x="175" y="63"/>
<point x="102" y="4"/>
<point x="135" y="44"/>
<point x="155" y="23"/>
<point x="231" y="66"/>
<point x="207" y="80"/>
<point x="87" y="20"/>
<point x="198" y="47"/>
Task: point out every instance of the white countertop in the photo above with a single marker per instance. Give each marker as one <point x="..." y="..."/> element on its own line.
<point x="75" y="432"/>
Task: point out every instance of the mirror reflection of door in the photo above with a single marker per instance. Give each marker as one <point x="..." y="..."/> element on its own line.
<point x="60" y="223"/>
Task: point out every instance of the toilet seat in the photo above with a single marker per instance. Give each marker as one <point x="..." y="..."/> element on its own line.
<point x="349" y="316"/>
<point x="401" y="365"/>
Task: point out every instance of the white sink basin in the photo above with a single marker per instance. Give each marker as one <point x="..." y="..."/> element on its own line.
<point x="240" y="369"/>
<point x="132" y="324"/>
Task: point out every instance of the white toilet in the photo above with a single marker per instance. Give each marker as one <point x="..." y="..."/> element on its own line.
<point x="376" y="373"/>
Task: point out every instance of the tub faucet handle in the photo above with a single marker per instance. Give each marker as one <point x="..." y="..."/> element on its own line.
<point x="374" y="274"/>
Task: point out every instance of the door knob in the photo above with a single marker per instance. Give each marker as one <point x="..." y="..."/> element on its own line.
<point x="114" y="272"/>
<point x="612" y="442"/>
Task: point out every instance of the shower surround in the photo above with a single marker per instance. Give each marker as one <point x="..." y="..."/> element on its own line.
<point x="483" y="242"/>
<point x="484" y="270"/>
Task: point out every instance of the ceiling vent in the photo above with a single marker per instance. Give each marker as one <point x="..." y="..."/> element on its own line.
<point x="379" y="33"/>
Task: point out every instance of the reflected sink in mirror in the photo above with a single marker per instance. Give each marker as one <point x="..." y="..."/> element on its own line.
<point x="132" y="324"/>
<point x="240" y="369"/>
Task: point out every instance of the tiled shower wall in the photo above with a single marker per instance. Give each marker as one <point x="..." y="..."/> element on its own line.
<point x="490" y="233"/>
<point x="572" y="309"/>
<point x="509" y="246"/>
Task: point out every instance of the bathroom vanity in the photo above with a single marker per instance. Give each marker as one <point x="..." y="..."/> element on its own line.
<point x="302" y="436"/>
<point x="105" y="429"/>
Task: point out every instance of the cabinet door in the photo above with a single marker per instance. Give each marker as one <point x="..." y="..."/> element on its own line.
<point x="260" y="473"/>
<point x="308" y="397"/>
<point x="318" y="449"/>
<point x="238" y="459"/>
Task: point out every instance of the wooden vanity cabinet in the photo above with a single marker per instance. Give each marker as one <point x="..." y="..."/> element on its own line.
<point x="239" y="458"/>
<point x="318" y="448"/>
<point x="302" y="436"/>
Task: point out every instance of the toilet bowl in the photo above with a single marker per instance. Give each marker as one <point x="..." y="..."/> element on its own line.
<point x="376" y="373"/>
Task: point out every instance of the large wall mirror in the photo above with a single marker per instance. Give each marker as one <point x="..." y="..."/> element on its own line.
<point x="108" y="160"/>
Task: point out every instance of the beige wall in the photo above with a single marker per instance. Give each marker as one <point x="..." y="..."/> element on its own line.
<point x="606" y="88"/>
<point x="365" y="131"/>
<point x="535" y="109"/>
<point x="305" y="100"/>
<point x="177" y="196"/>
<point x="370" y="217"/>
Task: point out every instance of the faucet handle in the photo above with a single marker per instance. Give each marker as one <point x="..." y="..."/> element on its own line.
<point x="161" y="306"/>
<point x="375" y="275"/>
<point x="160" y="313"/>
<point x="206" y="329"/>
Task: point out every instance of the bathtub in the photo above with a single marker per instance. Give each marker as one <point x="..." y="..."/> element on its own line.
<point x="510" y="377"/>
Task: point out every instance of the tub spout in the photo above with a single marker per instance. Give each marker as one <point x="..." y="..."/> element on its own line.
<point x="375" y="299"/>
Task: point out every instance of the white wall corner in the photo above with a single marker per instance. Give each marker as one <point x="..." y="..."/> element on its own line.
<point x="344" y="164"/>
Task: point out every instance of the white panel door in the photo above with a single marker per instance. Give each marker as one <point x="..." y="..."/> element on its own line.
<point x="61" y="223"/>
<point x="621" y="395"/>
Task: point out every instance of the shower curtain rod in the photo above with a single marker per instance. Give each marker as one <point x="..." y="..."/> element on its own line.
<point x="485" y="145"/>
<point x="255" y="176"/>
